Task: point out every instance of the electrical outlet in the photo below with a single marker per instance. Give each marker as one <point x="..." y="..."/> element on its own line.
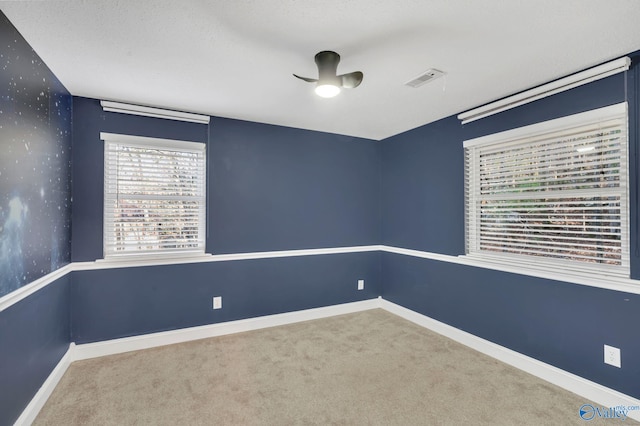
<point x="360" y="284"/>
<point x="612" y="356"/>
<point x="217" y="302"/>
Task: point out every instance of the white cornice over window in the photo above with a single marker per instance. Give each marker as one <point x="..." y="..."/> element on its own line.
<point x="110" y="106"/>
<point x="566" y="83"/>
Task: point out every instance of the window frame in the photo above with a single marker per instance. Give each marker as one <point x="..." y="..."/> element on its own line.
<point x="200" y="149"/>
<point x="528" y="261"/>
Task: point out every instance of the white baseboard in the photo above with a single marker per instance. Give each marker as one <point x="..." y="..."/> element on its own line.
<point x="591" y="391"/>
<point x="146" y="341"/>
<point x="37" y="402"/>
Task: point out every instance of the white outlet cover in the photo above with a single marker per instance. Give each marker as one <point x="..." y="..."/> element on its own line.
<point x="360" y="284"/>
<point x="612" y="356"/>
<point x="217" y="302"/>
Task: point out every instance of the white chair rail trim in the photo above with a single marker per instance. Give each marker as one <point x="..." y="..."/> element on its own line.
<point x="626" y="285"/>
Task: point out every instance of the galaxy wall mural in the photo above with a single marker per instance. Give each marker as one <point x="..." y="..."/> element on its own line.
<point x="35" y="164"/>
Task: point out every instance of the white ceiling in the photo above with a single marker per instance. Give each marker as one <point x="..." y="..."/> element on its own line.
<point x="235" y="58"/>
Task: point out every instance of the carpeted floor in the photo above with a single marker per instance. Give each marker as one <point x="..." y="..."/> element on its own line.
<point x="369" y="368"/>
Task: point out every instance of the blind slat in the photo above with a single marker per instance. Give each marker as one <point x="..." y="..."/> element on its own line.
<point x="154" y="198"/>
<point x="559" y="194"/>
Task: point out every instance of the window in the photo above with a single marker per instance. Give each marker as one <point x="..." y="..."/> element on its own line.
<point x="554" y="193"/>
<point x="154" y="196"/>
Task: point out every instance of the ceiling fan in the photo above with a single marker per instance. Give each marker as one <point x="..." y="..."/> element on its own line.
<point x="329" y="83"/>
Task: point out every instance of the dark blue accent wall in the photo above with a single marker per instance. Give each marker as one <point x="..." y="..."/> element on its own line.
<point x="279" y="188"/>
<point x="276" y="188"/>
<point x="269" y="188"/>
<point x="422" y="189"/>
<point x="563" y="324"/>
<point x="88" y="164"/>
<point x="115" y="303"/>
<point x="34" y="335"/>
<point x="35" y="215"/>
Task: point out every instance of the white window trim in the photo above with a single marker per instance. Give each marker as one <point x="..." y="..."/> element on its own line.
<point x="583" y="118"/>
<point x="164" y="256"/>
<point x="531" y="265"/>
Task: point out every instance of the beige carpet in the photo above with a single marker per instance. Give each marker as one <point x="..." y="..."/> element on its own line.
<point x="370" y="368"/>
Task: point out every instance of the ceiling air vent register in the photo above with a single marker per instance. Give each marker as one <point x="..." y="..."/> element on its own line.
<point x="424" y="78"/>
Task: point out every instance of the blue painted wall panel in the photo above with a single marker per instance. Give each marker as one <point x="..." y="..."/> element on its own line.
<point x="34" y="335"/>
<point x="562" y="324"/>
<point x="35" y="215"/>
<point x="88" y="165"/>
<point x="115" y="303"/>
<point x="279" y="188"/>
<point x="276" y="188"/>
<point x="422" y="189"/>
<point x="269" y="187"/>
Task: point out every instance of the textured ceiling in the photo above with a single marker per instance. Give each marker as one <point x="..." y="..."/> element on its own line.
<point x="236" y="58"/>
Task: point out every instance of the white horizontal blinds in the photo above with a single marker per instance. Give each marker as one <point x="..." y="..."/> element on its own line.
<point x="154" y="197"/>
<point x="555" y="194"/>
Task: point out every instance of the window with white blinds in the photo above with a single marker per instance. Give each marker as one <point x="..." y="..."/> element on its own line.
<point x="554" y="193"/>
<point x="154" y="196"/>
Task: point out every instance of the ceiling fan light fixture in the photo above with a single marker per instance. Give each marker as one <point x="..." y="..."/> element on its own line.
<point x="328" y="83"/>
<point x="327" y="90"/>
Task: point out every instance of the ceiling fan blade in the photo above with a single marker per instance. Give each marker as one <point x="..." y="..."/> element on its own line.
<point x="351" y="80"/>
<point x="307" y="79"/>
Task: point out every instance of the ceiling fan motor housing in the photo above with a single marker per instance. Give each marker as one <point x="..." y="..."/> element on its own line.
<point x="327" y="62"/>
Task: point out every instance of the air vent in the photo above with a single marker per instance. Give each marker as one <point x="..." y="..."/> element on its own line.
<point x="425" y="77"/>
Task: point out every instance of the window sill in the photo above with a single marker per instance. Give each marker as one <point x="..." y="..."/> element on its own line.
<point x="590" y="278"/>
<point x="150" y="260"/>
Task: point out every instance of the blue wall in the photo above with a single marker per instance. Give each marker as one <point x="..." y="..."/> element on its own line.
<point x="422" y="189"/>
<point x="562" y="324"/>
<point x="35" y="212"/>
<point x="88" y="165"/>
<point x="34" y="335"/>
<point x="114" y="303"/>
<point x="422" y="193"/>
<point x="279" y="188"/>
<point x="276" y="188"/>
<point x="269" y="188"/>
